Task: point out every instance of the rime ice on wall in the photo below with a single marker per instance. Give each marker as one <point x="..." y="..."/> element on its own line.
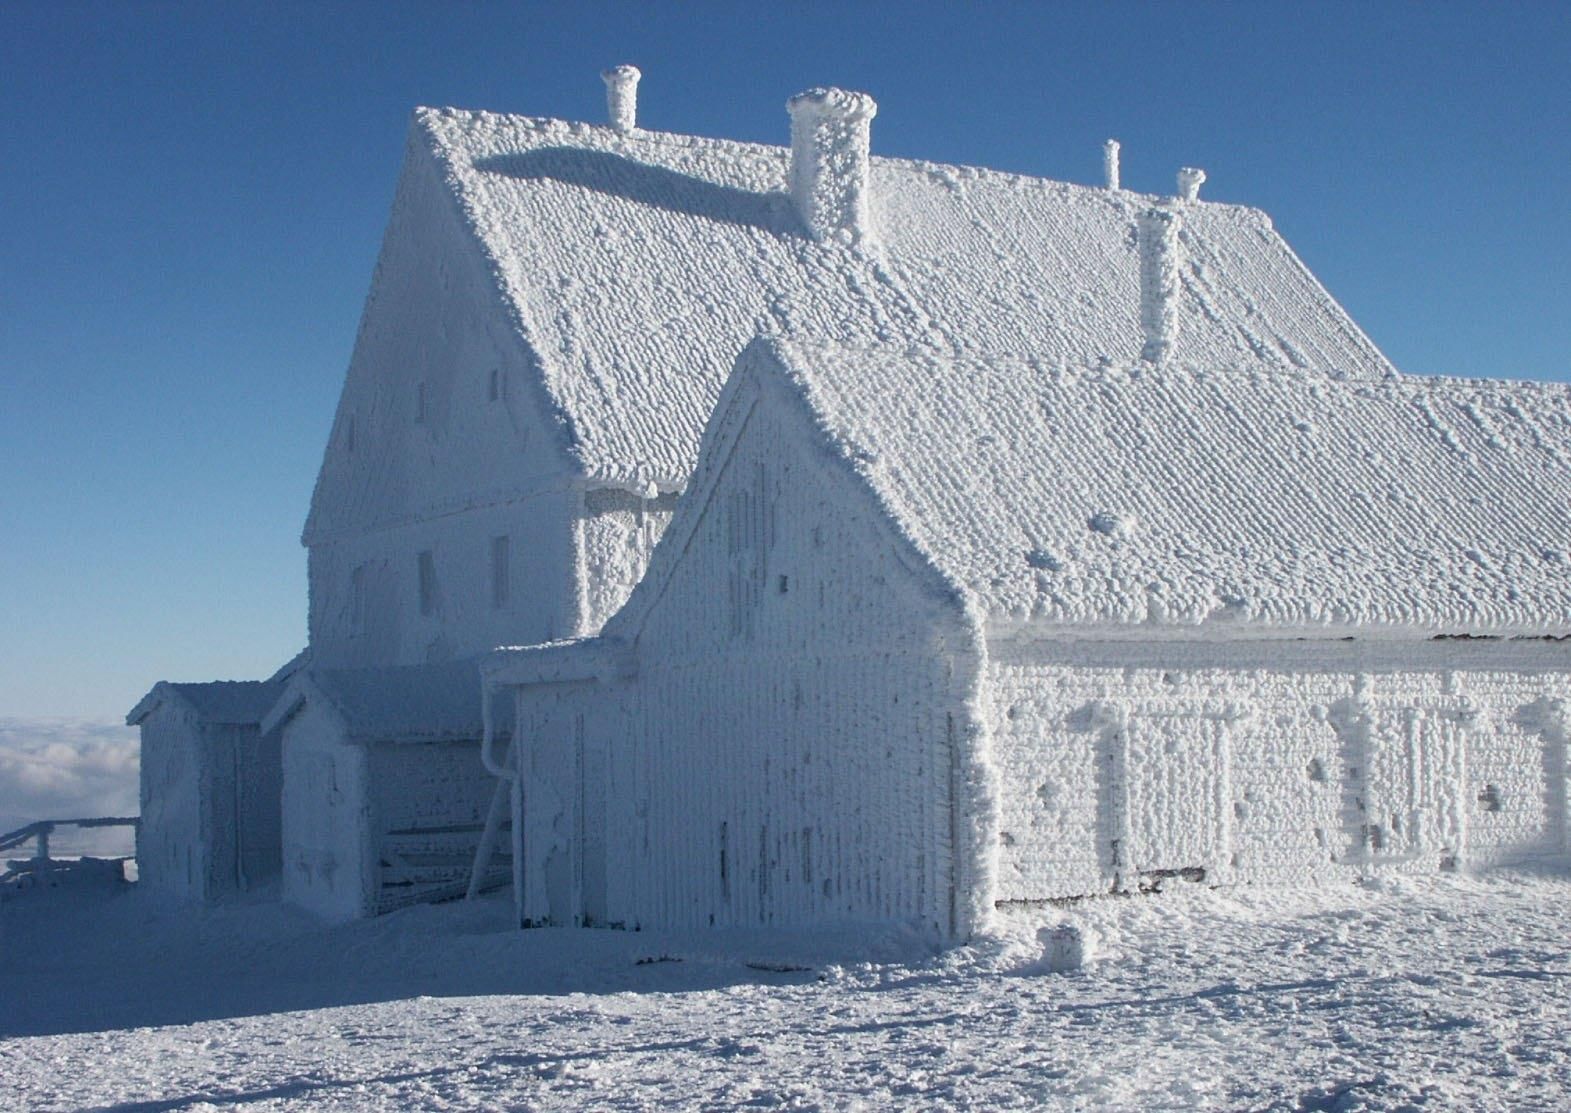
<point x="830" y="145"/>
<point x="449" y="451"/>
<point x="209" y="789"/>
<point x="1110" y="164"/>
<point x="384" y="793"/>
<point x="744" y="780"/>
<point x="805" y="725"/>
<point x="1329" y="760"/>
<point x="617" y="533"/>
<point x="1159" y="286"/>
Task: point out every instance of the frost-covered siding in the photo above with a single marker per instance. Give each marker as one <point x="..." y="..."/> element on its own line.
<point x="328" y="844"/>
<point x="385" y="793"/>
<point x="1118" y="761"/>
<point x="790" y="747"/>
<point x="442" y="441"/>
<point x="369" y="606"/>
<point x="209" y="791"/>
<point x="171" y="848"/>
<point x="616" y="532"/>
<point x="641" y="262"/>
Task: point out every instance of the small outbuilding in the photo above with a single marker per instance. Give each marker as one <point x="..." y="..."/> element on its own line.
<point x="384" y="795"/>
<point x="210" y="777"/>
<point x="935" y="633"/>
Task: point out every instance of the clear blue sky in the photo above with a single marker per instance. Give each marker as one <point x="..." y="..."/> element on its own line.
<point x="192" y="195"/>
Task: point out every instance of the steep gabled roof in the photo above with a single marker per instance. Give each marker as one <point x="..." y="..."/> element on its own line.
<point x="1190" y="497"/>
<point x="639" y="263"/>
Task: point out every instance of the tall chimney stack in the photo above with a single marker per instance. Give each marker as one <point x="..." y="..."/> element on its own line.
<point x="830" y="132"/>
<point x="1110" y="163"/>
<point x="1158" y="237"/>
<point x="621" y="96"/>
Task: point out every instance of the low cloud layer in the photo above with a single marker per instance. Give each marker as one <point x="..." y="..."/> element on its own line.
<point x="69" y="769"/>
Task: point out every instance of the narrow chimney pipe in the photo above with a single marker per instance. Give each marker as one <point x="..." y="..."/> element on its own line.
<point x="1110" y="163"/>
<point x="1190" y="178"/>
<point x="830" y="143"/>
<point x="621" y="96"/>
<point x="1159" y="247"/>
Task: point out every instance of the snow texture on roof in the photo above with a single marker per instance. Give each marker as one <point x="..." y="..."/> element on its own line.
<point x="639" y="263"/>
<point x="1186" y="496"/>
<point x="417" y="703"/>
<point x="219" y="702"/>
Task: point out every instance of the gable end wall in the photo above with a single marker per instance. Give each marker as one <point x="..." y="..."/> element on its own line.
<point x="790" y="753"/>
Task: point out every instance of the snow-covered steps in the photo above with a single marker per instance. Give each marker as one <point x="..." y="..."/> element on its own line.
<point x="423" y="866"/>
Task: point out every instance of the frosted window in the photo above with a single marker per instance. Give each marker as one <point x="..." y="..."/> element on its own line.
<point x="501" y="573"/>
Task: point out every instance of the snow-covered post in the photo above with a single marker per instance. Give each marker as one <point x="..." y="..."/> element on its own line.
<point x="1158" y="283"/>
<point x="1110" y="163"/>
<point x="621" y="96"/>
<point x="830" y="136"/>
<point x="1189" y="182"/>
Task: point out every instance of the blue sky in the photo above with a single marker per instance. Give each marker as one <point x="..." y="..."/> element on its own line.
<point x="192" y="195"/>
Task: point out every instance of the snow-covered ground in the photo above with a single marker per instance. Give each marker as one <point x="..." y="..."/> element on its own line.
<point x="1441" y="992"/>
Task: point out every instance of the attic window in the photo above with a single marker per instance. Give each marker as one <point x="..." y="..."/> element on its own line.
<point x="501" y="573"/>
<point x="420" y="402"/>
<point x="427" y="582"/>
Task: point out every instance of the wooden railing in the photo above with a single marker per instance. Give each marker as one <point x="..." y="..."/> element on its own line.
<point x="38" y="833"/>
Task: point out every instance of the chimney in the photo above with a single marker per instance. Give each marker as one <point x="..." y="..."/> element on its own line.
<point x="621" y="96"/>
<point x="829" y="153"/>
<point x="1189" y="181"/>
<point x="1110" y="163"/>
<point x="1158" y="238"/>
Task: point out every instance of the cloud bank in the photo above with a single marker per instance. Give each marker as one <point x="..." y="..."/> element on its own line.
<point x="68" y="769"/>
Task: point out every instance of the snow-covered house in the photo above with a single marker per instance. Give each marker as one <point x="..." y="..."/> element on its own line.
<point x="553" y="314"/>
<point x="554" y="311"/>
<point x="210" y="779"/>
<point x="935" y="632"/>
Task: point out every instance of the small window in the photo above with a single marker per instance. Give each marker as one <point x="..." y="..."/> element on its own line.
<point x="427" y="577"/>
<point x="357" y="607"/>
<point x="501" y="573"/>
<point x="420" y="402"/>
<point x="496" y="388"/>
